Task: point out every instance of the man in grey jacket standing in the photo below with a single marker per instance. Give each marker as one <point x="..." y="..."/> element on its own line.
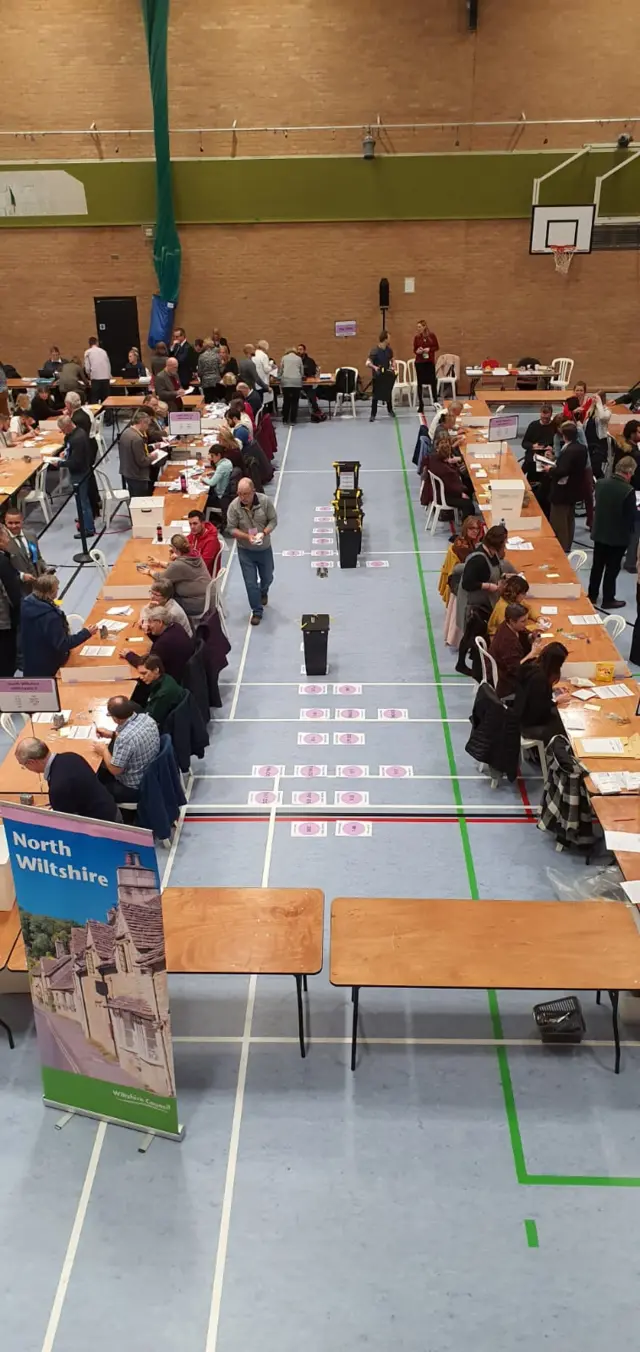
<point x="252" y="518"/>
<point x="135" y="465"/>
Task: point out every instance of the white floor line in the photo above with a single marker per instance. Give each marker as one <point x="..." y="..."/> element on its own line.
<point x="176" y="837"/>
<point x="477" y="779"/>
<point x="320" y="723"/>
<point x="247" y="637"/>
<point x="74" y="1240"/>
<point x="232" y="555"/>
<point x="366" y="685"/>
<point x="370" y="810"/>
<point x="234" y="1143"/>
<point x="411" y="1041"/>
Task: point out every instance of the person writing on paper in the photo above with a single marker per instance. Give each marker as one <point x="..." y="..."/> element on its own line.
<point x="7" y="437"/>
<point x="614" y="524"/>
<point x="156" y="692"/>
<point x="135" y="465"/>
<point x="187" y="574"/>
<point x="73" y="786"/>
<point x="509" y="645"/>
<point x="161" y="594"/>
<point x="134" y="368"/>
<point x="44" y="630"/>
<point x="134" y="745"/>
<point x="534" y="701"/>
<point x="514" y="591"/>
<point x="168" y="641"/>
<point x="23" y="422"/>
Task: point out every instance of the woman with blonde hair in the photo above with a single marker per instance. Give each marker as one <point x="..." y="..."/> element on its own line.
<point x="470" y="535"/>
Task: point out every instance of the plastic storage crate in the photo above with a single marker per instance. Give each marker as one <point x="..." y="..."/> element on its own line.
<point x="560" y="1020"/>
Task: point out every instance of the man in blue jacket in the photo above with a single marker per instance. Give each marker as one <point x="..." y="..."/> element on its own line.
<point x="44" y="630"/>
<point x="73" y="786"/>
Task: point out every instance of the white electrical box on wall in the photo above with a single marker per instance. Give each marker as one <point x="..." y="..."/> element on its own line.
<point x="409" y="285"/>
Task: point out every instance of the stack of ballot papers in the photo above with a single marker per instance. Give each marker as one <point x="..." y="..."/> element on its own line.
<point x="114" y="626"/>
<point x="619" y="691"/>
<point x="623" y="841"/>
<point x="584" y="619"/>
<point x="90" y="650"/>
<point x="622" y="781"/>
<point x="120" y="610"/>
<point x="46" y="718"/>
<point x="80" y="732"/>
<point x="517" y="543"/>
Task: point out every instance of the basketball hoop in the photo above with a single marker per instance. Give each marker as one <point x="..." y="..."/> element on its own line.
<point x="562" y="255"/>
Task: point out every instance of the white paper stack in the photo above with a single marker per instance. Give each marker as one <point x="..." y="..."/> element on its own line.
<point x="623" y="781"/>
<point x="586" y="619"/>
<point x="46" y="718"/>
<point x="619" y="691"/>
<point x="90" y="650"/>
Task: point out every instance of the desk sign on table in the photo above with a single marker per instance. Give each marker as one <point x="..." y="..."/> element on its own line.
<point x="91" y="915"/>
<point x="27" y="695"/>
<point x="503" y="427"/>
<point x="187" y="423"/>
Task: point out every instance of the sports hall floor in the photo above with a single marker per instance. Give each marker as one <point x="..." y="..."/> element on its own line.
<point x="466" y="1187"/>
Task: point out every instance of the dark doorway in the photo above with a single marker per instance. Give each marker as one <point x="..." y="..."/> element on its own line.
<point x="117" y="327"/>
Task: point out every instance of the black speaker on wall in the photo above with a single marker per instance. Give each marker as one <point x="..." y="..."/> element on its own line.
<point x="472" y="14"/>
<point x="384" y="293"/>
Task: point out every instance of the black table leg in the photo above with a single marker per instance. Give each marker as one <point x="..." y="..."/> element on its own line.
<point x="613" y="996"/>
<point x="598" y="994"/>
<point x="304" y="983"/>
<point x="355" y="996"/>
<point x="8" y="1033"/>
<point x="299" y="981"/>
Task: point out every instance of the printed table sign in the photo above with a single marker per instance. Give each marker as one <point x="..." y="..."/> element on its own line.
<point x="351" y="828"/>
<point x="351" y="798"/>
<point x="264" y="798"/>
<point x="315" y="714"/>
<point x="313" y="739"/>
<point x="384" y="714"/>
<point x="352" y="771"/>
<point x="308" y="828"/>
<point x="349" y="715"/>
<point x="349" y="738"/>
<point x="309" y="771"/>
<point x="396" y="771"/>
<point x="312" y="689"/>
<point x="309" y="798"/>
<point x="345" y="689"/>
<point x="267" y="771"/>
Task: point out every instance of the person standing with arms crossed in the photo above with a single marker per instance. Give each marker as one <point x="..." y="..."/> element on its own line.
<point x="252" y="518"/>
<point x="425" y="347"/>
<point x="380" y="361"/>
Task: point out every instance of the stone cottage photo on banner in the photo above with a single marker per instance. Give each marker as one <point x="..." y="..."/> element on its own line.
<point x="91" y="916"/>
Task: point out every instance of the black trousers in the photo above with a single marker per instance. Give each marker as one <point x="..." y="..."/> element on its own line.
<point x="425" y="375"/>
<point x="290" y="401"/>
<point x="607" y="560"/>
<point x="100" y="390"/>
<point x="139" y="488"/>
<point x="8" y="652"/>
<point x="374" y="406"/>
<point x="634" y="655"/>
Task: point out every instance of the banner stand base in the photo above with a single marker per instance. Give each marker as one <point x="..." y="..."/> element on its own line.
<point x="148" y="1132"/>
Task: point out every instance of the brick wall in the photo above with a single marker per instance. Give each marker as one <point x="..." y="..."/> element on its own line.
<point x="299" y="62"/>
<point x="475" y="282"/>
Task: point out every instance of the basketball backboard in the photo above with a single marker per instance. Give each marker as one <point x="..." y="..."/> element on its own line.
<point x="570" y="227"/>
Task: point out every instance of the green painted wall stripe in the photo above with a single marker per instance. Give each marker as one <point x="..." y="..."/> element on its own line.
<point x="515" y="1137"/>
<point x="467" y="186"/>
<point x="531" y="1231"/>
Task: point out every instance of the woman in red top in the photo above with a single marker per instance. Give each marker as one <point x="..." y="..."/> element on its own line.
<point x="425" y="347"/>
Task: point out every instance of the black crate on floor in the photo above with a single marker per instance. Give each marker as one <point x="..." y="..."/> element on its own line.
<point x="560" y="1020"/>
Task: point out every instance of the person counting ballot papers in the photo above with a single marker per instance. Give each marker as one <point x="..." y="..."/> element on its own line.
<point x="73" y="786"/>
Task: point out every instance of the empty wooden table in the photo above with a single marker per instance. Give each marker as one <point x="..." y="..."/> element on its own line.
<point x="518" y="945"/>
<point x="621" y="812"/>
<point x="275" y="931"/>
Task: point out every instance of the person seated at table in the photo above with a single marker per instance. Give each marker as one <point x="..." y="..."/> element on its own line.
<point x="217" y="481"/>
<point x="156" y="411"/>
<point x="44" y="630"/>
<point x="24" y="550"/>
<point x="23" y="422"/>
<point x="135" y="465"/>
<point x="161" y="595"/>
<point x="538" y="437"/>
<point x="168" y="641"/>
<point x="203" y="538"/>
<point x="43" y="404"/>
<point x="442" y="466"/>
<point x="252" y="400"/>
<point x="238" y="416"/>
<point x="7" y="437"/>
<point x="482" y="579"/>
<point x="628" y="443"/>
<point x="311" y="369"/>
<point x="510" y="643"/>
<point x="528" y="380"/>
<point x="133" y="746"/>
<point x="445" y="431"/>
<point x="534" y="700"/>
<point x="209" y="371"/>
<point x="168" y="387"/>
<point x="156" y="692"/>
<point x="159" y="358"/>
<point x="187" y="574"/>
<point x="73" y="786"/>
<point x="227" y="437"/>
<point x="54" y="363"/>
<point x="134" y="368"/>
<point x="514" y="591"/>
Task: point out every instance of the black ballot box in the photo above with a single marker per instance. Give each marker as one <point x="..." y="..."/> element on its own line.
<point x="349" y="541"/>
<point x="315" y="635"/>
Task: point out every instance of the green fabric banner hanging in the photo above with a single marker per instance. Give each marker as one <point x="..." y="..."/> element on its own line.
<point x="167" y="253"/>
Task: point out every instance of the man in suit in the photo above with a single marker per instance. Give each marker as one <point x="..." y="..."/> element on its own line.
<point x="186" y="357"/>
<point x="77" y="455"/>
<point x="24" y="550"/>
<point x="168" y="386"/>
<point x="135" y="465"/>
<point x="73" y="786"/>
<point x="83" y="417"/>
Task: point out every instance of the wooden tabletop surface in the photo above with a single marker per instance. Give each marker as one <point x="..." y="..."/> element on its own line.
<point x="243" y="929"/>
<point x="524" y="945"/>
<point x="135" y="400"/>
<point x="14" y="474"/>
<point x="178" y="505"/>
<point x="87" y="703"/>
<point x="84" y="666"/>
<point x="9" y="931"/>
<point x="124" y="573"/>
<point x="621" y="812"/>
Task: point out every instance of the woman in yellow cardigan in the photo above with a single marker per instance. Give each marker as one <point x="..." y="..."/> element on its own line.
<point x="514" y="590"/>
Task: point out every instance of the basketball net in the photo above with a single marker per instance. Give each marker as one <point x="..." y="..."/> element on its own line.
<point x="562" y="255"/>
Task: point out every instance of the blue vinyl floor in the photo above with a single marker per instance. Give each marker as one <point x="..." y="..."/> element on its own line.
<point x="466" y="1187"/>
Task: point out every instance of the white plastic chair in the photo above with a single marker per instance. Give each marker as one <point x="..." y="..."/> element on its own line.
<point x="75" y="619"/>
<point x="528" y="744"/>
<point x="351" y="396"/>
<point x="402" y="385"/>
<point x="500" y="409"/>
<point x="487" y="662"/>
<point x="577" y="558"/>
<point x="206" y="610"/>
<point x="438" y="505"/>
<point x="446" y="387"/>
<point x="413" y="381"/>
<point x="615" y="625"/>
<point x="435" y="420"/>
<point x="112" y="497"/>
<point x="100" y="561"/>
<point x="98" y="432"/>
<point x="39" y="494"/>
<point x="7" y="724"/>
<point x="218" y="585"/>
<point x="563" y="367"/>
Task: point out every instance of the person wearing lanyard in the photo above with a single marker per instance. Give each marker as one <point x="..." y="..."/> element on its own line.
<point x="425" y="347"/>
<point x="24" y="550"/>
<point x="380" y="361"/>
<point x="251" y="518"/>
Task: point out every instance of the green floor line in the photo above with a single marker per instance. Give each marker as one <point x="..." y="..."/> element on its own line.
<point x="513" y="1124"/>
<point x="531" y="1231"/>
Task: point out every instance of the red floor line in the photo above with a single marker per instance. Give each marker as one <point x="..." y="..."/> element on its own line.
<point x="525" y="799"/>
